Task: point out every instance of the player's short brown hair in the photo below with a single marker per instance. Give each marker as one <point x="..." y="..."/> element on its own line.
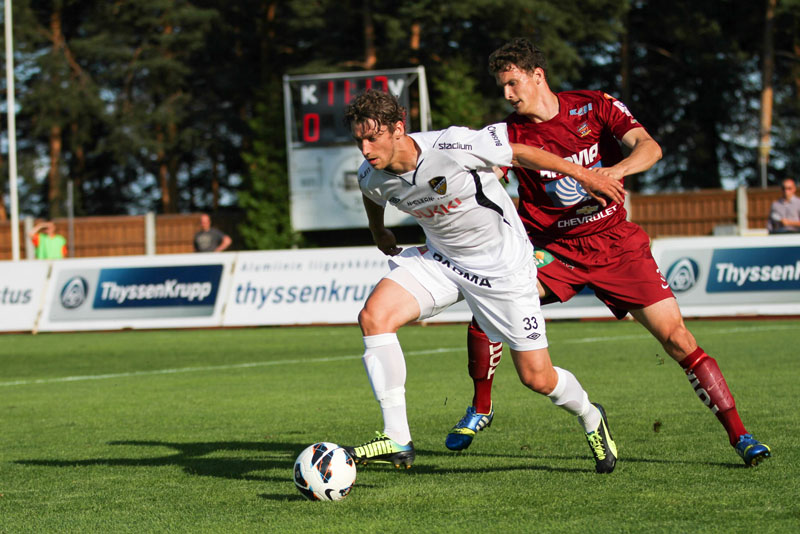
<point x="378" y="106"/>
<point x="520" y="52"/>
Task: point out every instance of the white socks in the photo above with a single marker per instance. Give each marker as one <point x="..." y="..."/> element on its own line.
<point x="569" y="394"/>
<point x="386" y="369"/>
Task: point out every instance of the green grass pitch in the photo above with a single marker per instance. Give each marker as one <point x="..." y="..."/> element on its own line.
<point x="197" y="431"/>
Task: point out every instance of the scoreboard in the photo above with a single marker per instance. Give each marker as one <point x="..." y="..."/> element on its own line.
<point x="319" y="106"/>
<point x="323" y="159"/>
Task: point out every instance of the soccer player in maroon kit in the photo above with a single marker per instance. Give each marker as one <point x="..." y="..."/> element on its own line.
<point x="582" y="241"/>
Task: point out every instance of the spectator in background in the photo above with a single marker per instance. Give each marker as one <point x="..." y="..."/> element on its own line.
<point x="784" y="215"/>
<point x="49" y="245"/>
<point x="210" y="239"/>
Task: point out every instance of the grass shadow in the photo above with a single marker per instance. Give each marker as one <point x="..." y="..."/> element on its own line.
<point x="193" y="458"/>
<point x="217" y="459"/>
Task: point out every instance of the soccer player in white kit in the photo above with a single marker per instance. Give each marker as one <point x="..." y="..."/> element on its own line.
<point x="476" y="249"/>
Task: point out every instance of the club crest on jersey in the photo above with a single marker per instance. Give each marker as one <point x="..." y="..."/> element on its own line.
<point x="586" y="210"/>
<point x="584" y="130"/>
<point x="438" y="184"/>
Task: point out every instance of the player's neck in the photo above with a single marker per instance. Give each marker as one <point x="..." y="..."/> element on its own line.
<point x="405" y="156"/>
<point x="544" y="108"/>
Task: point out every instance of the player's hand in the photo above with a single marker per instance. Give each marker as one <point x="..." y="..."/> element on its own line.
<point x="386" y="242"/>
<point x="602" y="185"/>
<point x="500" y="173"/>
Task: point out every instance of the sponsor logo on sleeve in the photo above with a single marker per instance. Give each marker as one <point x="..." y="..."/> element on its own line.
<point x="624" y="109"/>
<point x="541" y="257"/>
<point x="493" y="133"/>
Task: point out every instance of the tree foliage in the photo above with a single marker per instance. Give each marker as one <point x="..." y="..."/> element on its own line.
<point x="175" y="105"/>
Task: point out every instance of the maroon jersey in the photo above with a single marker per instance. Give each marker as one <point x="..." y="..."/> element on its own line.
<point x="585" y="131"/>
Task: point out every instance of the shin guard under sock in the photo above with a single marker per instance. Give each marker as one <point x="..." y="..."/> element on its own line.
<point x="709" y="384"/>
<point x="484" y="356"/>
<point x="386" y="370"/>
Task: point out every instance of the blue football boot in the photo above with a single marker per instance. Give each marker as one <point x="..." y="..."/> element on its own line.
<point x="460" y="437"/>
<point x="751" y="450"/>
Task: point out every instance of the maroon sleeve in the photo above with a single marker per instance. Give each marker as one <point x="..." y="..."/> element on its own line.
<point x="616" y="116"/>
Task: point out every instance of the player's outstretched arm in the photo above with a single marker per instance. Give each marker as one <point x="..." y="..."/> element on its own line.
<point x="598" y="186"/>
<point x="383" y="237"/>
<point x="645" y="152"/>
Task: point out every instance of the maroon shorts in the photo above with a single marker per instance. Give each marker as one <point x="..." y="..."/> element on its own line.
<point x="616" y="264"/>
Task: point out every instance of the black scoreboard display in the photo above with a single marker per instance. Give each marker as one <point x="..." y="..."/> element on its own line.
<point x="318" y="102"/>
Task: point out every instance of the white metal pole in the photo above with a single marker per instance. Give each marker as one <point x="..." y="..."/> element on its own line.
<point x="12" y="135"/>
<point x="424" y="103"/>
<point x="150" y="233"/>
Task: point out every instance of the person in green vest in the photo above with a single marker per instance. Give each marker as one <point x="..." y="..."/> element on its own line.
<point x="49" y="245"/>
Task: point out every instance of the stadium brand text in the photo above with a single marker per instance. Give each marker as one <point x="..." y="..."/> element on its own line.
<point x="454" y="146"/>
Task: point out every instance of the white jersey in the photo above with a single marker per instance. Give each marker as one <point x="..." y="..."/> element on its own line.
<point x="457" y="199"/>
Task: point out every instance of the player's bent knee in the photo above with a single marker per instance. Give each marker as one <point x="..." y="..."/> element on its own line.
<point x="538" y="381"/>
<point x="679" y="342"/>
<point x="379" y="318"/>
<point x="535" y="370"/>
<point x="374" y="320"/>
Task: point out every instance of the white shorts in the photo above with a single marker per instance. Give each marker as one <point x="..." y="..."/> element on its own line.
<point x="506" y="308"/>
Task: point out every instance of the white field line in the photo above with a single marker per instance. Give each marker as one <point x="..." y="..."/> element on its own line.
<point x="81" y="378"/>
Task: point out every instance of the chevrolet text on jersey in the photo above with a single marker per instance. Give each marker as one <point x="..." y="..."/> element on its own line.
<point x="575" y="221"/>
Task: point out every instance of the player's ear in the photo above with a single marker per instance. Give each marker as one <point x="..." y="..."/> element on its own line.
<point x="399" y="129"/>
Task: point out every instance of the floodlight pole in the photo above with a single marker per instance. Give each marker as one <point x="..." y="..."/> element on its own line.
<point x="12" y="135"/>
